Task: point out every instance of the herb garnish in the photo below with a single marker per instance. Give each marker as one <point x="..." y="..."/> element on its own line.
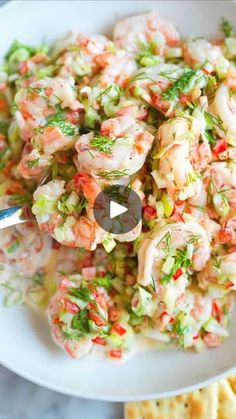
<point x="181" y="261"/>
<point x="141" y="76"/>
<point x="4" y="128"/>
<point x="32" y="163"/>
<point x="183" y="84"/>
<point x="58" y="120"/>
<point x="113" y="174"/>
<point x="213" y="121"/>
<point x="13" y="247"/>
<point x="103" y="281"/>
<point x="18" y="45"/>
<point x="21" y="199"/>
<point x="4" y="157"/>
<point x="80" y="322"/>
<point x="226" y="27"/>
<point x="102" y="143"/>
<point x="209" y="136"/>
<point x="82" y="293"/>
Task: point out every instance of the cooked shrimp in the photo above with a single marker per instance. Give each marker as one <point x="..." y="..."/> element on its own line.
<point x="38" y="100"/>
<point x="118" y="68"/>
<point x="220" y="270"/>
<point x="162" y="258"/>
<point x="199" y="52"/>
<point x="138" y="31"/>
<point x="224" y="107"/>
<point x="53" y="140"/>
<point x="74" y="230"/>
<point x="149" y="84"/>
<point x="65" y="310"/>
<point x="24" y="248"/>
<point x="80" y="55"/>
<point x="122" y="145"/>
<point x="200" y="155"/>
<point x="34" y="165"/>
<point x="152" y="250"/>
<point x="91" y="189"/>
<point x="175" y="169"/>
<point x="220" y="182"/>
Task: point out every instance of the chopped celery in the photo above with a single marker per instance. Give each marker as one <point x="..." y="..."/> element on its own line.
<point x="109" y="243"/>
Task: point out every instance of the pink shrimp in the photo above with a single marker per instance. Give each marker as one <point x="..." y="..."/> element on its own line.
<point x="143" y="29"/>
<point x="200" y="155"/>
<point x="128" y="144"/>
<point x="198" y="51"/>
<point x="63" y="309"/>
<point x="199" y="308"/>
<point x="175" y="168"/>
<point x="34" y="165"/>
<point x="53" y="140"/>
<point x="75" y="229"/>
<point x="211" y="341"/>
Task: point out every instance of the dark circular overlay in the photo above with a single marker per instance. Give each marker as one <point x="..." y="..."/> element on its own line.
<point x="122" y="195"/>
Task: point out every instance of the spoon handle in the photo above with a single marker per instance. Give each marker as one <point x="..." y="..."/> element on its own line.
<point x="14" y="215"/>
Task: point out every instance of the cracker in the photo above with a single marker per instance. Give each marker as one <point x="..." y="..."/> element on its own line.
<point x="232" y="382"/>
<point x="200" y="404"/>
<point x="227" y="401"/>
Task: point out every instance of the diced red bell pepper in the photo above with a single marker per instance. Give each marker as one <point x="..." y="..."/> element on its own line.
<point x="177" y="274"/>
<point x="99" y="341"/>
<point x="96" y="318"/>
<point x="225" y="235"/>
<point x="184" y="99"/>
<point x="48" y="91"/>
<point x="116" y="353"/>
<point x="118" y="328"/>
<point x="55" y="244"/>
<point x="230" y="284"/>
<point x="219" y="147"/>
<point x="56" y="320"/>
<point x="164" y="313"/>
<point x="149" y="212"/>
<point x="23" y="68"/>
<point x="71" y="307"/>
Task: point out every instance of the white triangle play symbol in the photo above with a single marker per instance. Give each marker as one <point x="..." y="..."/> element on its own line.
<point x="116" y="209"/>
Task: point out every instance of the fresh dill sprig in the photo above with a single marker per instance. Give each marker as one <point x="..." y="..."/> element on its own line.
<point x="168" y="75"/>
<point x="113" y="174"/>
<point x="102" y="143"/>
<point x="209" y="136"/>
<point x="226" y="27"/>
<point x="141" y="76"/>
<point x="4" y="157"/>
<point x="21" y="199"/>
<point x="4" y="128"/>
<point x="183" y="84"/>
<point x="32" y="163"/>
<point x="58" y="120"/>
<point x="181" y="261"/>
<point x="213" y="121"/>
<point x="113" y="88"/>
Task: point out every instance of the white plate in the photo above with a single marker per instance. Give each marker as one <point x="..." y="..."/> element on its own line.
<point x="25" y="344"/>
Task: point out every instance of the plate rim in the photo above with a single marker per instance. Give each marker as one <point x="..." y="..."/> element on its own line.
<point x="151" y="396"/>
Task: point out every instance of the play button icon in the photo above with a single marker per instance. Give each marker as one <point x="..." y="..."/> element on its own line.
<point x="118" y="209"/>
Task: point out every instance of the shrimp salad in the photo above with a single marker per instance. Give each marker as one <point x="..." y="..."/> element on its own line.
<point x="149" y="110"/>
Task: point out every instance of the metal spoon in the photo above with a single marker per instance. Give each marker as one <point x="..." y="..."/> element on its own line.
<point x="20" y="214"/>
<point x="15" y="215"/>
